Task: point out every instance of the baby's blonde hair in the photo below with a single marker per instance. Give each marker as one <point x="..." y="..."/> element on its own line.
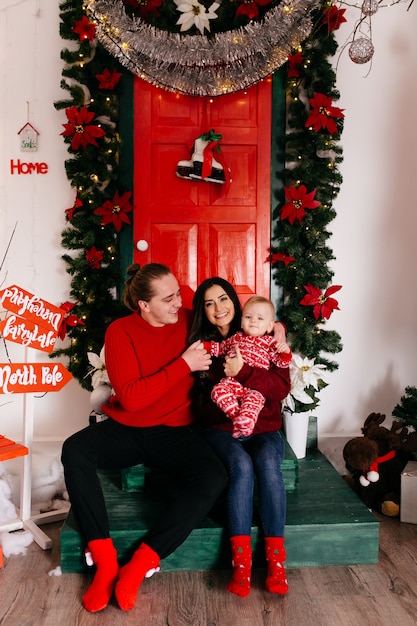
<point x="260" y="300"/>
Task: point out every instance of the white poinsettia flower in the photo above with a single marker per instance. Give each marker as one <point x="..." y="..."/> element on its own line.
<point x="195" y="14"/>
<point x="306" y="372"/>
<point x="299" y="394"/>
<point x="305" y="375"/>
<point x="98" y="372"/>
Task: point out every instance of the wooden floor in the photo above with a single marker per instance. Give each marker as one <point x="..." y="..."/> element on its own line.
<point x="382" y="594"/>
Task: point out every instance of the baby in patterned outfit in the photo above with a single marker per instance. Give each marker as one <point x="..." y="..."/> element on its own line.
<point x="258" y="349"/>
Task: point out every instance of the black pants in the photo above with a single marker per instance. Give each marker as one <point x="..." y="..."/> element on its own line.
<point x="181" y="451"/>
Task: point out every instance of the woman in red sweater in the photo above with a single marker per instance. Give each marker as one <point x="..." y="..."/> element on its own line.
<point x="217" y="316"/>
<point x="150" y="421"/>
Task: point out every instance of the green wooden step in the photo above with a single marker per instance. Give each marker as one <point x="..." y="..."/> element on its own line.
<point x="326" y="524"/>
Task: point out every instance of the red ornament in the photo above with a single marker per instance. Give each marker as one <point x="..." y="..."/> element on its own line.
<point x="108" y="79"/>
<point x="298" y="201"/>
<point x="249" y="8"/>
<point x="94" y="257"/>
<point x="70" y="320"/>
<point x="333" y="17"/>
<point x="295" y="62"/>
<point x="70" y="212"/>
<point x="323" y="305"/>
<point x="115" y="211"/>
<point x="322" y="113"/>
<point x="82" y="132"/>
<point x="144" y="7"/>
<point x="279" y="256"/>
<point x="84" y="28"/>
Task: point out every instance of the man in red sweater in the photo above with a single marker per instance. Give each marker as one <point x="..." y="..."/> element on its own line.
<point x="150" y="421"/>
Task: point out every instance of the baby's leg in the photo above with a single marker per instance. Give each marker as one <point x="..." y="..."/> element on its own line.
<point x="225" y="395"/>
<point x="251" y="405"/>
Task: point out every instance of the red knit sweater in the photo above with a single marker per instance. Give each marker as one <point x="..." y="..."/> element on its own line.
<point x="152" y="383"/>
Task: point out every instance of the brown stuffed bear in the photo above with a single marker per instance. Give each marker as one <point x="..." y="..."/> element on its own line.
<point x="375" y="462"/>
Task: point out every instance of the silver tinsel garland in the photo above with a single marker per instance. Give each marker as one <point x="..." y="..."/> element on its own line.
<point x="195" y="64"/>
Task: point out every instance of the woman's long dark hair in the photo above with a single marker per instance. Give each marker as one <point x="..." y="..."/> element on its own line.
<point x="201" y="328"/>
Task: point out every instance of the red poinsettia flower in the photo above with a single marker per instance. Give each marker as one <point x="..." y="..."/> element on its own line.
<point x="295" y="62"/>
<point x="79" y="128"/>
<point x="84" y="28"/>
<point x="249" y="8"/>
<point x="108" y="79"/>
<point x="322" y="113"/>
<point x="280" y="256"/>
<point x="145" y="7"/>
<point x="115" y="211"/>
<point x="70" y="319"/>
<point x="70" y="212"/>
<point x="333" y="17"/>
<point x="94" y="257"/>
<point x="323" y="305"/>
<point x="298" y="201"/>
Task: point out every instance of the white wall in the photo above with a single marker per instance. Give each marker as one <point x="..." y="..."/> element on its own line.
<point x="30" y="71"/>
<point x="373" y="234"/>
<point x="374" y="231"/>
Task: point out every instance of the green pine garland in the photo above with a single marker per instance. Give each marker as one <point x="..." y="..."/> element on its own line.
<point x="95" y="174"/>
<point x="312" y="159"/>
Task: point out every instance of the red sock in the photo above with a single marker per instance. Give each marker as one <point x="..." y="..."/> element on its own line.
<point x="132" y="575"/>
<point x="276" y="581"/>
<point x="100" y="591"/>
<point x="242" y="564"/>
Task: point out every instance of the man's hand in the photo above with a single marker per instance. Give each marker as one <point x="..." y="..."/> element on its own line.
<point x="196" y="357"/>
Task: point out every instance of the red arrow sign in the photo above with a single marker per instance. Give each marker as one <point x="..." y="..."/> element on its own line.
<point x="25" y="304"/>
<point x="25" y="332"/>
<point x="32" y="377"/>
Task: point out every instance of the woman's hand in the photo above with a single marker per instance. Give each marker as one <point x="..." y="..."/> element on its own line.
<point x="279" y="332"/>
<point x="196" y="357"/>
<point x="233" y="364"/>
<point x="283" y="347"/>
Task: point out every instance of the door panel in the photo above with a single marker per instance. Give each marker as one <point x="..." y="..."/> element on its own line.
<point x="197" y="228"/>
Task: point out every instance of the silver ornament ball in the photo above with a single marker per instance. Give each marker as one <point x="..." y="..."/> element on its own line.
<point x="361" y="50"/>
<point x="370" y="7"/>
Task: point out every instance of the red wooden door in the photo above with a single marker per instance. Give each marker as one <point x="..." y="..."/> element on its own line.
<point x="202" y="229"/>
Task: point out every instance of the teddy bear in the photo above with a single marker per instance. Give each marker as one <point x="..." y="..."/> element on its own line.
<point x="375" y="462"/>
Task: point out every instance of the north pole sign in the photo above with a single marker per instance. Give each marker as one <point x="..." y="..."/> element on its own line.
<point x="32" y="377"/>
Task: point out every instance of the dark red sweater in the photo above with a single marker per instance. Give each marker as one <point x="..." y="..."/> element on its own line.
<point x="152" y="383"/>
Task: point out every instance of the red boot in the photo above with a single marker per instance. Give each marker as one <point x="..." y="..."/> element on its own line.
<point x="276" y="581"/>
<point x="132" y="575"/>
<point x="104" y="556"/>
<point x="242" y="564"/>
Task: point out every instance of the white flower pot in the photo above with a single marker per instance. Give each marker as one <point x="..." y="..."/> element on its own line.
<point x="296" y="431"/>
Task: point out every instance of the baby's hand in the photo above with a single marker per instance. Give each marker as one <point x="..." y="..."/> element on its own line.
<point x="283" y="347"/>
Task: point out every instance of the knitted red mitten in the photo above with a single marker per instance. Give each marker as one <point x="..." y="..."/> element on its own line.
<point x="104" y="556"/>
<point x="132" y="575"/>
<point x="276" y="581"/>
<point x="242" y="564"/>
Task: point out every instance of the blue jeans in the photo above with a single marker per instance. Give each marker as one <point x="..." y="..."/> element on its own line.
<point x="260" y="456"/>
